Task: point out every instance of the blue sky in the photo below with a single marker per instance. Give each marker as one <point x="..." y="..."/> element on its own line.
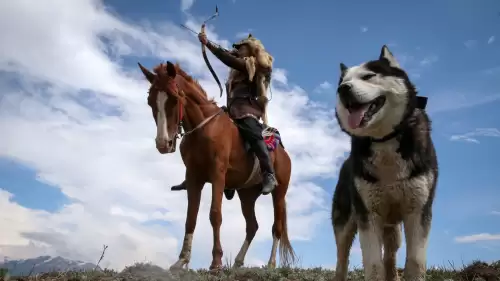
<point x="450" y="48"/>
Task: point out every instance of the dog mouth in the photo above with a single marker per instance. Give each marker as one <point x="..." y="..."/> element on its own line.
<point x="361" y="113"/>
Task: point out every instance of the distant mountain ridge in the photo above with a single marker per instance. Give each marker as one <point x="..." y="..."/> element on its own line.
<point x="44" y="264"/>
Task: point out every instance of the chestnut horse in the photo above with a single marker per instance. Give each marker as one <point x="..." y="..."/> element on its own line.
<point x="213" y="152"/>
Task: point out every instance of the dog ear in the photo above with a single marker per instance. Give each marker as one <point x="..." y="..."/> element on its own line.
<point x="172" y="72"/>
<point x="343" y="69"/>
<point x="386" y="55"/>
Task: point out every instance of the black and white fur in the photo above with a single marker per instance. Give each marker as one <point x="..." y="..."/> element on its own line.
<point x="390" y="175"/>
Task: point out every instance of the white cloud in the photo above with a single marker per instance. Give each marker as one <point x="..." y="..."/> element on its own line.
<point x="492" y="70"/>
<point x="75" y="113"/>
<point x="477" y="238"/>
<point x="449" y="101"/>
<point x="186" y="4"/>
<point x="491" y="39"/>
<point x="363" y="29"/>
<point x="243" y="34"/>
<point x="497" y="213"/>
<point x="479" y="132"/>
<point x="415" y="65"/>
<point x="279" y="75"/>
<point x="463" y="138"/>
<point x="429" y="60"/>
<point x="323" y="87"/>
<point x="470" y="44"/>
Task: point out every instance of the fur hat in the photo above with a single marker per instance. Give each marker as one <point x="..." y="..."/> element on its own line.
<point x="257" y="50"/>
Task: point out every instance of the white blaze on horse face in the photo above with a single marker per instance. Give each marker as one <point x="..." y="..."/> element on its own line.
<point x="161" y="119"/>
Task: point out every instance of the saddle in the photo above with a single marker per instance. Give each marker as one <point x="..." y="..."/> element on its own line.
<point x="272" y="138"/>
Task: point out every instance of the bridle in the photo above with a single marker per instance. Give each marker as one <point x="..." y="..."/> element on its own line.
<point x="180" y="105"/>
<point x="180" y="111"/>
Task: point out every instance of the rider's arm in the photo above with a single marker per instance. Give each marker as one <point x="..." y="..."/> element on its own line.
<point x="227" y="58"/>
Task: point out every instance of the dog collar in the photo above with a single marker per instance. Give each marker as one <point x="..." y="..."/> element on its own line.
<point x="421" y="102"/>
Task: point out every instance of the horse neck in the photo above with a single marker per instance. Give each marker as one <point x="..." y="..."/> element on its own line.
<point x="197" y="110"/>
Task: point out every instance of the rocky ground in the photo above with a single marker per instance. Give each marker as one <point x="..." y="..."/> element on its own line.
<point x="477" y="271"/>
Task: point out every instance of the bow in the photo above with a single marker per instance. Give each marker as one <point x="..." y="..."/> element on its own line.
<point x="204" y="53"/>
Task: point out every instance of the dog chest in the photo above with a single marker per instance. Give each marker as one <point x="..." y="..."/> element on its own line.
<point x="395" y="191"/>
<point x="399" y="197"/>
<point x="386" y="163"/>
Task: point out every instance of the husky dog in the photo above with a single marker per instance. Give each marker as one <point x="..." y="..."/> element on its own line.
<point x="390" y="175"/>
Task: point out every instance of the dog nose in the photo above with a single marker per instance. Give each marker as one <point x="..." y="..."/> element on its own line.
<point x="344" y="91"/>
<point x="346" y="96"/>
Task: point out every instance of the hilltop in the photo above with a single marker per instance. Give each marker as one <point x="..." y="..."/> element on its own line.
<point x="481" y="271"/>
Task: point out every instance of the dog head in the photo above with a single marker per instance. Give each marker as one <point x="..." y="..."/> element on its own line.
<point x="374" y="97"/>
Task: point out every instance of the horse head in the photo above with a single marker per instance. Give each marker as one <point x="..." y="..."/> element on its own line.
<point x="167" y="104"/>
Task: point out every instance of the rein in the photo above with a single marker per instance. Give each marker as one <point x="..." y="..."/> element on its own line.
<point x="202" y="123"/>
<point x="179" y="133"/>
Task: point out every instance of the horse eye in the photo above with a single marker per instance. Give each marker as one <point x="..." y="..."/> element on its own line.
<point x="368" y="76"/>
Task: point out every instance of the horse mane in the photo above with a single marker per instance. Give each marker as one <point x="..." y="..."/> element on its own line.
<point x="191" y="81"/>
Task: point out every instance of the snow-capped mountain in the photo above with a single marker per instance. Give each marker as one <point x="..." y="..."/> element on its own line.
<point x="43" y="264"/>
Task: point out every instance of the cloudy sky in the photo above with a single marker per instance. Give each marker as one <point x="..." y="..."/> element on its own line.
<point x="78" y="165"/>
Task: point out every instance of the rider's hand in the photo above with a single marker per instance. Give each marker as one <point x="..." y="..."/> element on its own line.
<point x="203" y="38"/>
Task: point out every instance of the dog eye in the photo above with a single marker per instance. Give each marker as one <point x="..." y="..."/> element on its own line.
<point x="368" y="76"/>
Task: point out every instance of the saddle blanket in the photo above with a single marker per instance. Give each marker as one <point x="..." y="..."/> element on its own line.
<point x="272" y="138"/>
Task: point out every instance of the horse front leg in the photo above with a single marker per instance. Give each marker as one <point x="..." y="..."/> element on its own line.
<point x="218" y="184"/>
<point x="248" y="197"/>
<point x="194" y="188"/>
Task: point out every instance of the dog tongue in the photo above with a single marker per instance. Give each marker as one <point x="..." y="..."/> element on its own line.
<point x="355" y="117"/>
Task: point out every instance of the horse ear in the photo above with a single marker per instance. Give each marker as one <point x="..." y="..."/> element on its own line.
<point x="250" y="35"/>
<point x="171" y="70"/>
<point x="148" y="74"/>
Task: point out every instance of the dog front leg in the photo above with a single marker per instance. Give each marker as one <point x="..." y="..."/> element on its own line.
<point x="371" y="241"/>
<point x="416" y="234"/>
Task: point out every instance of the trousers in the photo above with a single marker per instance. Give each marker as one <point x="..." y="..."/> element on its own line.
<point x="251" y="131"/>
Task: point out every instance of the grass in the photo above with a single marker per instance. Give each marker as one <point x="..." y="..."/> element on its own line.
<point x="145" y="271"/>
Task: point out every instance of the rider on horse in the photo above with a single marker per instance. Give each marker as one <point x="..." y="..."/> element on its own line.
<point x="249" y="78"/>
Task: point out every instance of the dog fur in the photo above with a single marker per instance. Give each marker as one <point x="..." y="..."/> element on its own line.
<point x="390" y="176"/>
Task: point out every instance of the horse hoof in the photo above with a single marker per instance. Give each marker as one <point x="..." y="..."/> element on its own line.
<point x="237" y="264"/>
<point x="179" y="265"/>
<point x="214" y="269"/>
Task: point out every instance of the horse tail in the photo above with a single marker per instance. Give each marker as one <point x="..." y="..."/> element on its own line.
<point x="287" y="254"/>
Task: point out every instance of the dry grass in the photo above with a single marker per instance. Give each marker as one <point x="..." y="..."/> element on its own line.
<point x="144" y="271"/>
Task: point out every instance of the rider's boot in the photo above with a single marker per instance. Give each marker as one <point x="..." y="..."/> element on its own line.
<point x="266" y="166"/>
<point x="178" y="187"/>
<point x="229" y="193"/>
